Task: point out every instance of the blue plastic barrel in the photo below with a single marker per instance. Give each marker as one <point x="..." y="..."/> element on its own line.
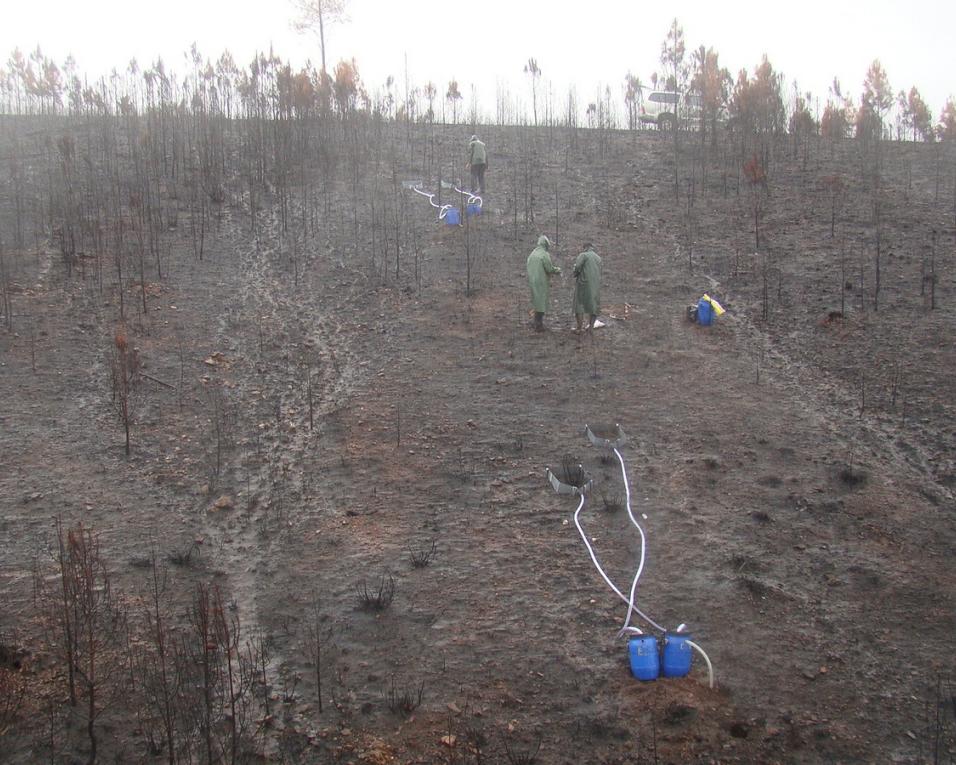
<point x="677" y="654"/>
<point x="452" y="216"/>
<point x="644" y="657"/>
<point x="705" y="313"/>
<point x="474" y="209"/>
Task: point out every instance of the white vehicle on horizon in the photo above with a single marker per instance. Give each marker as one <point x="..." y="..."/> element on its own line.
<point x="664" y="107"/>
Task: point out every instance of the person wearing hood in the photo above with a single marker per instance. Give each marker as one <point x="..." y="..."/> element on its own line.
<point x="478" y="158"/>
<point x="587" y="287"/>
<point x="540" y="269"/>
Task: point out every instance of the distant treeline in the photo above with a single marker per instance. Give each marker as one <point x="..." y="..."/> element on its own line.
<point x="269" y="87"/>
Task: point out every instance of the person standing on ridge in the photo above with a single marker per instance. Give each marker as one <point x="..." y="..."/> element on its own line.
<point x="540" y="269"/>
<point x="478" y="158"/>
<point x="587" y="287"/>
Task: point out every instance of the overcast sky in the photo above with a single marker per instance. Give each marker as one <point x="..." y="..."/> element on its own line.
<point x="488" y="42"/>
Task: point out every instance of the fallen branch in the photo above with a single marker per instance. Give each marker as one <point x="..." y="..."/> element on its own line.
<point x="155" y="380"/>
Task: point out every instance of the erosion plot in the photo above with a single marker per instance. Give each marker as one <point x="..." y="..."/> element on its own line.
<point x="333" y="535"/>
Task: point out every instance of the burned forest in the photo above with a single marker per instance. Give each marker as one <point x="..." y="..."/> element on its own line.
<point x="276" y="429"/>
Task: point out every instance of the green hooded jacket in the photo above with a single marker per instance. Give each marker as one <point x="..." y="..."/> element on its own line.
<point x="587" y="288"/>
<point x="477" y="154"/>
<point x="540" y="269"/>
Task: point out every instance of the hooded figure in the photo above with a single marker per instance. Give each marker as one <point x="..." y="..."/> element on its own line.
<point x="587" y="287"/>
<point x="478" y="159"/>
<point x="540" y="269"/>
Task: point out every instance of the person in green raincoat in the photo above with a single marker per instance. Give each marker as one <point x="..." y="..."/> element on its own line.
<point x="587" y="287"/>
<point x="478" y="159"/>
<point x="540" y="269"/>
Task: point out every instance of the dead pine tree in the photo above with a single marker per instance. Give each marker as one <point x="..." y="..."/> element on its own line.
<point x="221" y="427"/>
<point x="124" y="371"/>
<point x="862" y="284"/>
<point x="309" y="387"/>
<point x="757" y="176"/>
<point x="33" y="348"/>
<point x="675" y="70"/>
<point x="239" y="675"/>
<point x="842" y="277"/>
<point x="765" y="287"/>
<point x="316" y="638"/>
<point x="514" y="198"/>
<point x="6" y="307"/>
<point x="835" y="186"/>
<point x="930" y="278"/>
<point x="557" y="218"/>
<point x="595" y="374"/>
<point x="156" y="662"/>
<point x="93" y="625"/>
<point x="896" y="383"/>
<point x="401" y="214"/>
<point x="101" y="635"/>
<point x="398" y="424"/>
<point x="63" y="609"/>
<point x="878" y="241"/>
<point x="203" y="655"/>
<point x="463" y="213"/>
<point x="758" y="364"/>
<point x="862" y="390"/>
<point x="534" y="72"/>
<point x="954" y="195"/>
<point x="690" y="227"/>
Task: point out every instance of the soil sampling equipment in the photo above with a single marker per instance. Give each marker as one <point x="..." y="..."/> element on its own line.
<point x="447" y="213"/>
<point x="473" y="205"/>
<point x="676" y="655"/>
<point x="648" y="656"/>
<point x="644" y="657"/>
<point x="705" y="311"/>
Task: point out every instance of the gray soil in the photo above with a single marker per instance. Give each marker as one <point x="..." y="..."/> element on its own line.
<point x="796" y="468"/>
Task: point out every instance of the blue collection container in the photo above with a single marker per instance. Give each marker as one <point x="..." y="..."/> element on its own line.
<point x="452" y="217"/>
<point x="644" y="657"/>
<point x="677" y="654"/>
<point x="705" y="313"/>
<point x="473" y="209"/>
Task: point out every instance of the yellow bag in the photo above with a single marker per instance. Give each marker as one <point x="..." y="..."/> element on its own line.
<point x="718" y="308"/>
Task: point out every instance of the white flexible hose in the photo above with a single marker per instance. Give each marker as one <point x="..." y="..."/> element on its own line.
<point x="442" y="209"/>
<point x="425" y="194"/>
<point x="593" y="556"/>
<point x="640" y="569"/>
<point x="630" y="601"/>
<point x="472" y="198"/>
<point x="710" y="668"/>
<point x="631" y="605"/>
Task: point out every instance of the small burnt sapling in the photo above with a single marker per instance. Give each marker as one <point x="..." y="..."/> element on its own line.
<point x="611" y="502"/>
<point x="405" y="700"/>
<point x="13" y="684"/>
<point x="572" y="473"/>
<point x="519" y="756"/>
<point x="422" y="557"/>
<point x="380" y="598"/>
